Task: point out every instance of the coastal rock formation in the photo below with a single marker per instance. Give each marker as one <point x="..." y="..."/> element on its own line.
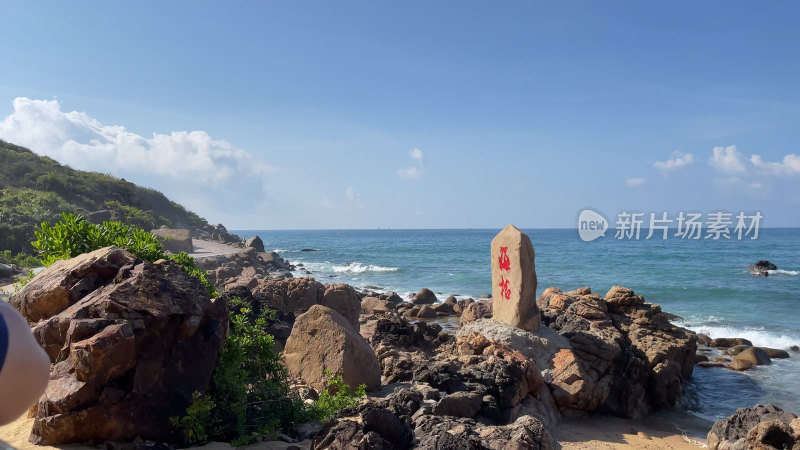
<point x="322" y="339"/>
<point x="759" y="427"/>
<point x="626" y="358"/>
<point x="245" y="268"/>
<point x="514" y="280"/>
<point x="761" y="267"/>
<point x="216" y="233"/>
<point x="130" y="342"/>
<point x="174" y="240"/>
<point x="404" y="421"/>
<point x="754" y="356"/>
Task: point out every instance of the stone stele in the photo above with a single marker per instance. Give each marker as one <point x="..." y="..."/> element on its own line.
<point x="514" y="280"/>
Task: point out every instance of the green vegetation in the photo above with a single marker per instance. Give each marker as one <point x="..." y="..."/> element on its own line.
<point x="20" y="259"/>
<point x="36" y="189"/>
<point x="249" y="399"/>
<point x="74" y="235"/>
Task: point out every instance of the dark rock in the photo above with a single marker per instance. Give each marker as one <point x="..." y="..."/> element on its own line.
<point x="6" y="271"/>
<point x="459" y="404"/>
<point x="736" y="349"/>
<point x="426" y="312"/>
<point x="308" y="250"/>
<point x="129" y="344"/>
<point x="477" y="310"/>
<point x="761" y="267"/>
<point x="733" y="432"/>
<point x="703" y="339"/>
<point x="729" y="342"/>
<point x="775" y="353"/>
<point x="424" y="297"/>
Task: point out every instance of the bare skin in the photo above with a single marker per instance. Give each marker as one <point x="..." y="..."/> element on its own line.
<point x="26" y="370"/>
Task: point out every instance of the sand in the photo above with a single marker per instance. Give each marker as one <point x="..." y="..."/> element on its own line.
<point x="584" y="434"/>
<point x="616" y="433"/>
<point x="204" y="249"/>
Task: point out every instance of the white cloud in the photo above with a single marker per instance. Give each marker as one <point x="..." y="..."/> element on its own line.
<point x="350" y="194"/>
<point x="635" y="182"/>
<point x="677" y="161"/>
<point x="414" y="172"/>
<point x="77" y="139"/>
<point x="727" y="160"/>
<point x="190" y="167"/>
<point x="789" y="166"/>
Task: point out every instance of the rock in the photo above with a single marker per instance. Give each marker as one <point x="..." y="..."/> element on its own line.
<point x="619" y="298"/>
<point x="376" y="305"/>
<point x="174" y="240"/>
<point x="256" y="243"/>
<point x="462" y="304"/>
<point x="730" y="342"/>
<point x="424" y="297"/>
<point x="128" y="348"/>
<point x="298" y="295"/>
<point x="459" y="404"/>
<point x="100" y="216"/>
<point x="775" y="353"/>
<point x="477" y="310"/>
<point x="446" y="432"/>
<point x="755" y="356"/>
<point x="710" y="365"/>
<point x="392" y="297"/>
<point x="443" y="309"/>
<point x="451" y="300"/>
<point x="343" y="299"/>
<point x="6" y="271"/>
<point x="514" y="280"/>
<point x="426" y="312"/>
<point x="740" y="365"/>
<point x="734" y="432"/>
<point x="771" y="434"/>
<point x="761" y="267"/>
<point x="703" y="339"/>
<point x="736" y="349"/>
<point x="67" y="281"/>
<point x="323" y="339"/>
<point x="795" y="348"/>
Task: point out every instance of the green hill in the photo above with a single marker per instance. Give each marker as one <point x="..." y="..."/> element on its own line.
<point x="34" y="189"/>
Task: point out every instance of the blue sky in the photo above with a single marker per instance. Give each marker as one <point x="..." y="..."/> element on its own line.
<point x="268" y="115"/>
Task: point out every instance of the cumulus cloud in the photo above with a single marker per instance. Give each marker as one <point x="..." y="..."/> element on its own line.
<point x="727" y="160"/>
<point x="77" y="139"/>
<point x="635" y="182"/>
<point x="414" y="172"/>
<point x="790" y="165"/>
<point x="678" y="160"/>
<point x="185" y="165"/>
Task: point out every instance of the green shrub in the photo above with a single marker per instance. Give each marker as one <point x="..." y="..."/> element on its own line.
<point x="20" y="259"/>
<point x="336" y="397"/>
<point x="74" y="235"/>
<point x="249" y="390"/>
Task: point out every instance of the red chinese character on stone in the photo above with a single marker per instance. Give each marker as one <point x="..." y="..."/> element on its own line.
<point x="505" y="290"/>
<point x="505" y="262"/>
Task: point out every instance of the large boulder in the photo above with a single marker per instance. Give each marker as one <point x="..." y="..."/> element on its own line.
<point x="322" y="339"/>
<point x="174" y="240"/>
<point x="130" y="341"/>
<point x="755" y="356"/>
<point x="477" y="310"/>
<point x="256" y="243"/>
<point x="759" y="427"/>
<point x="514" y="280"/>
<point x="425" y="296"/>
<point x="761" y="267"/>
<point x="343" y="299"/>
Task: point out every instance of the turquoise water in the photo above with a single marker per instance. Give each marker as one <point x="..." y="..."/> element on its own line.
<point x="704" y="281"/>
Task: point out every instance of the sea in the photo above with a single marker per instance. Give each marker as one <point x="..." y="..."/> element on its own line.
<point x="705" y="282"/>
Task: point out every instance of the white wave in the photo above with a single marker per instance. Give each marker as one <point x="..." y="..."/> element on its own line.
<point x="758" y="336"/>
<point x="784" y="272"/>
<point x="361" y="268"/>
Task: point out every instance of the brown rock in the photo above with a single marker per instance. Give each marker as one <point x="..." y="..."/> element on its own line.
<point x="729" y="342"/>
<point x="755" y="356"/>
<point x="477" y="310"/>
<point x="322" y="340"/>
<point x="740" y="365"/>
<point x="128" y="353"/>
<point x="425" y="296"/>
<point x="775" y="353"/>
<point x="426" y="312"/>
<point x="376" y="305"/>
<point x="67" y="281"/>
<point x="343" y="299"/>
<point x="514" y="280"/>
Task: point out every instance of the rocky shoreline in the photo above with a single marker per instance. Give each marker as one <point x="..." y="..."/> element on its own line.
<point x="116" y="327"/>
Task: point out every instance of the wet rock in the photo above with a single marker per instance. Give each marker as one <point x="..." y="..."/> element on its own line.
<point x="424" y="297"/>
<point x="761" y="267"/>
<point x="775" y="353"/>
<point x="754" y="356"/>
<point x="740" y="365"/>
<point x="730" y="342"/>
<point x="323" y="339"/>
<point x="736" y="349"/>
